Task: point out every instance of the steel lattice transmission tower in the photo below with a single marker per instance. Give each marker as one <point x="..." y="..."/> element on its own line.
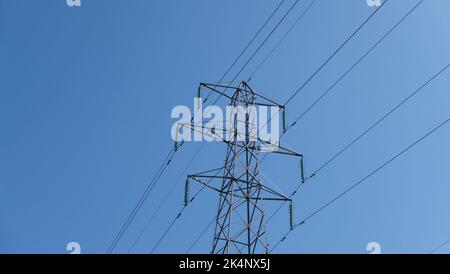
<point x="240" y="225"/>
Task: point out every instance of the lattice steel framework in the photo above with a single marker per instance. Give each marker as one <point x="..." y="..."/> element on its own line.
<point x="240" y="225"/>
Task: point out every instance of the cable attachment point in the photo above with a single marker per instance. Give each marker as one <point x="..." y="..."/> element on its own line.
<point x="302" y="170"/>
<point x="291" y="215"/>
<point x="177" y="144"/>
<point x="186" y="192"/>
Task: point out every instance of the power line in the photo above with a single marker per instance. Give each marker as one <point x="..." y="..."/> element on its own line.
<point x="174" y="221"/>
<point x="389" y="113"/>
<point x="334" y="157"/>
<point x="359" y="137"/>
<point x="253" y="39"/>
<point x="376" y="123"/>
<point x="379" y="121"/>
<point x="340" y="79"/>
<point x="349" y="70"/>
<point x="253" y="55"/>
<point x="201" y="235"/>
<point x="161" y="204"/>
<point x="179" y="215"/>
<point x="173" y="151"/>
<point x="259" y="47"/>
<point x="356" y="63"/>
<point x="434" y="250"/>
<point x="246" y="48"/>
<point x="141" y="201"/>
<point x="303" y="85"/>
<point x="331" y="202"/>
<point x="152" y="184"/>
<point x="326" y="62"/>
<point x="270" y="34"/>
<point x="335" y="52"/>
<point x="364" y="133"/>
<point x="282" y="40"/>
<point x="267" y="38"/>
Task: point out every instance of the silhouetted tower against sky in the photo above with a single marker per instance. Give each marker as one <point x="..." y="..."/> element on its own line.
<point x="240" y="225"/>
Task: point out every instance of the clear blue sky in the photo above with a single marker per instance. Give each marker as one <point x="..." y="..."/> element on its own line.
<point x="86" y="95"/>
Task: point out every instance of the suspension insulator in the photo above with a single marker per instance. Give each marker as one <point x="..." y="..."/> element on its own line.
<point x="291" y="216"/>
<point x="176" y="145"/>
<point x="302" y="170"/>
<point x="284" y="120"/>
<point x="199" y="96"/>
<point x="186" y="192"/>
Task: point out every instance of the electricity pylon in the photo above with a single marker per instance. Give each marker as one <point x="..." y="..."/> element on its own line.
<point x="240" y="225"/>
